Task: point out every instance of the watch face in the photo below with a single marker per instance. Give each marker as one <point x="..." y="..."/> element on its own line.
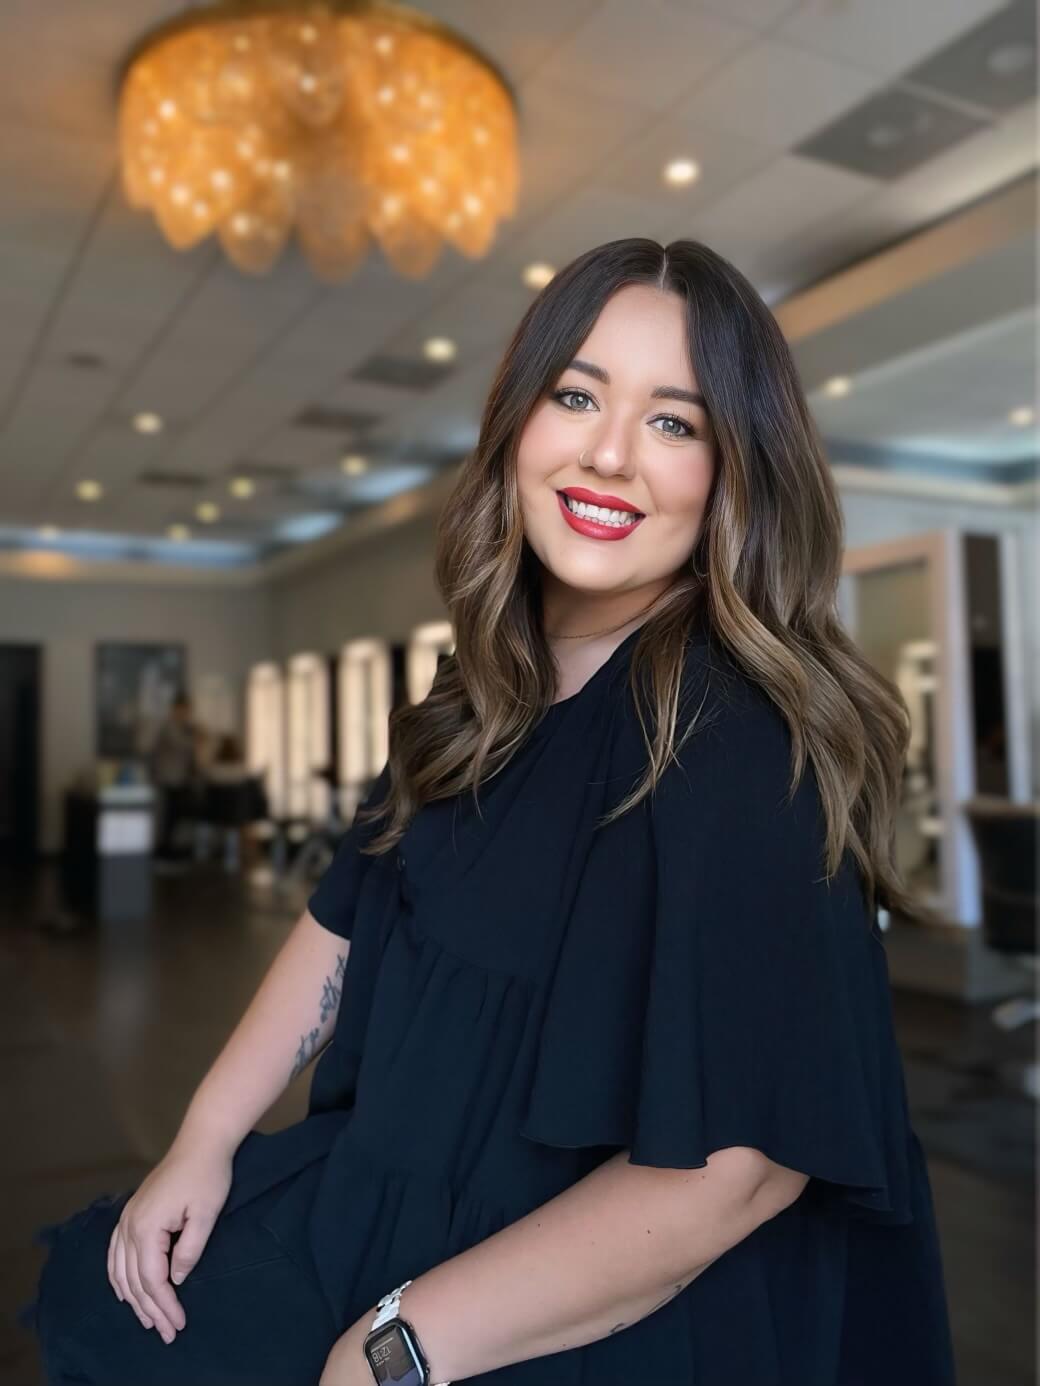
<point x="393" y="1358"/>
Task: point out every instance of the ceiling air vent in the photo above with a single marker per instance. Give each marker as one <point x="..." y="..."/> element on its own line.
<point x="891" y="133"/>
<point x="402" y="372"/>
<point x="334" y="420"/>
<point x="186" y="481"/>
<point x="262" y="471"/>
<point x="993" y="65"/>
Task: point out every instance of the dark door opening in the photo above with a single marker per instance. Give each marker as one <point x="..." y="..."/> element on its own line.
<point x="20" y="697"/>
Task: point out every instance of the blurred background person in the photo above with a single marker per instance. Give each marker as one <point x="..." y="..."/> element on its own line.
<point x="233" y="797"/>
<point x="176" y="773"/>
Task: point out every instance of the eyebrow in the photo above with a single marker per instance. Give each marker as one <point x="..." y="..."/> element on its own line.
<point x="661" y="392"/>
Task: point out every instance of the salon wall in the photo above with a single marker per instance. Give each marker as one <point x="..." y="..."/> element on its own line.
<point x="385" y="585"/>
<point x="382" y="586"/>
<point x="226" y="630"/>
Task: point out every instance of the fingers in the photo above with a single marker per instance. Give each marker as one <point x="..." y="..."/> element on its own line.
<point x="147" y="1303"/>
<point x="124" y="1283"/>
<point x="190" y="1245"/>
<point x="137" y="1271"/>
<point x="111" y="1264"/>
<point x="153" y="1265"/>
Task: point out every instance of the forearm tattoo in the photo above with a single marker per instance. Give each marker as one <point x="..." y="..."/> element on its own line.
<point x="332" y="989"/>
<point x="673" y="1290"/>
<point x="308" y="1048"/>
<point x="331" y="994"/>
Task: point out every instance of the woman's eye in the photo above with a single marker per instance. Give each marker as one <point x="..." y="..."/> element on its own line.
<point x="688" y="431"/>
<point x="581" y="393"/>
<point x="682" y="429"/>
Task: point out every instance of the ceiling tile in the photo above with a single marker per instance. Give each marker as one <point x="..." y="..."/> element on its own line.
<point x="775" y="94"/>
<point x="756" y="14"/>
<point x="516" y="38"/>
<point x="47" y="86"/>
<point x="104" y="30"/>
<point x="789" y="197"/>
<point x="723" y="158"/>
<point x="884" y="36"/>
<point x="49" y="185"/>
<point x="647" y="55"/>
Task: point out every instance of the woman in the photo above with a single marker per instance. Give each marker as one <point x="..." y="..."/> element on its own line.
<point x="609" y="1083"/>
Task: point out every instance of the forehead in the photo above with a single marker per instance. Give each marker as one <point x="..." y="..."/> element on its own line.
<point x="641" y="332"/>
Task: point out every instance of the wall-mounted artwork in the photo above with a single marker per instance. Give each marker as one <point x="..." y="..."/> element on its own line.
<point x="134" y="687"/>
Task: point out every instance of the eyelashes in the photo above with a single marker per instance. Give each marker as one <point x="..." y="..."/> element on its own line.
<point x="690" y="431"/>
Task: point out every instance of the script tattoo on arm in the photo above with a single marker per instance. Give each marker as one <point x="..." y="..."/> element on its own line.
<point x="331" y="993"/>
<point x="673" y="1290"/>
<point x="332" y="989"/>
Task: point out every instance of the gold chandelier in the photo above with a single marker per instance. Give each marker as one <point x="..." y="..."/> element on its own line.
<point x="348" y="120"/>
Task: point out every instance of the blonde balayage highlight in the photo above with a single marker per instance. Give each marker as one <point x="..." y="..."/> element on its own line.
<point x="763" y="575"/>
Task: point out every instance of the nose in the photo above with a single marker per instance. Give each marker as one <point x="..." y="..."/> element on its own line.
<point x="612" y="452"/>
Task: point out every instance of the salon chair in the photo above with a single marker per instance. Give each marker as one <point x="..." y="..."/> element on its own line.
<point x="1005" y="835"/>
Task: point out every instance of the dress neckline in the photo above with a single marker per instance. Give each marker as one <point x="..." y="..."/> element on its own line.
<point x="556" y="710"/>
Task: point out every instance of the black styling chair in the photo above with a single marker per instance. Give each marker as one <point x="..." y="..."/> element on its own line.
<point x="1005" y="836"/>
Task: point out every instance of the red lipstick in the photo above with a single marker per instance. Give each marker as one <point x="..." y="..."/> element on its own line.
<point x="594" y="529"/>
<point x="581" y="493"/>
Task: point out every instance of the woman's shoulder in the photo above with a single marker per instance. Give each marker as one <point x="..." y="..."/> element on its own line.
<point x="723" y="698"/>
<point x="733" y="753"/>
<point x="731" y="742"/>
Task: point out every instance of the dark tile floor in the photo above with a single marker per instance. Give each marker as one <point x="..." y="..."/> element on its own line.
<point x="104" y="1035"/>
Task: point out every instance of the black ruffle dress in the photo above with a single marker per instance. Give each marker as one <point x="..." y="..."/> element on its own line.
<point x="525" y="993"/>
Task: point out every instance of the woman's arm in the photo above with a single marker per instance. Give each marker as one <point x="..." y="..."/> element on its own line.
<point x="289" y="1020"/>
<point x="601" y="1255"/>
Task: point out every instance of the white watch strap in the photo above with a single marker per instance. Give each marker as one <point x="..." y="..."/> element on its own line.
<point x="389" y="1307"/>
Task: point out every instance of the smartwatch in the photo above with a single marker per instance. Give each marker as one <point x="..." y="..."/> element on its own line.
<point x="392" y="1347"/>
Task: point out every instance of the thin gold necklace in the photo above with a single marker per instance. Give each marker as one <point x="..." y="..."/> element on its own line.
<point x="589" y="634"/>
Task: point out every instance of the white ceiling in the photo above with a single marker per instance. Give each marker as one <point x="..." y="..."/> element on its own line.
<point x="607" y="91"/>
<point x="947" y="401"/>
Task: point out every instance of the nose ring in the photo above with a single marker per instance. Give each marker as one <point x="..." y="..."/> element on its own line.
<point x="581" y="456"/>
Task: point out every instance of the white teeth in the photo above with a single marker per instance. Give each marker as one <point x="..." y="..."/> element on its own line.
<point x="617" y="518"/>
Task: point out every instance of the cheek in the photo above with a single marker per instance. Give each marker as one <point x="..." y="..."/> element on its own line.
<point x="539" y="453"/>
<point x="680" y="492"/>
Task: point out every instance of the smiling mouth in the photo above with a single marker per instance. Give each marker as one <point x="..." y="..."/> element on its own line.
<point x="603" y="526"/>
<point x="604" y="510"/>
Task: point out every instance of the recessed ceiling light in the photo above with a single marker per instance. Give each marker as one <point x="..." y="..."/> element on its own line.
<point x="242" y="487"/>
<point x="837" y="386"/>
<point x="353" y="464"/>
<point x="439" y="349"/>
<point x="679" y="172"/>
<point x="89" y="490"/>
<point x="49" y="531"/>
<point x="536" y="276"/>
<point x="179" y="532"/>
<point x="207" y="512"/>
<point x="1009" y="59"/>
<point x="147" y="422"/>
<point x="1022" y="417"/>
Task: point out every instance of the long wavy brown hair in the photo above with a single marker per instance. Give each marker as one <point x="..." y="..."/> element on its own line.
<point x="763" y="574"/>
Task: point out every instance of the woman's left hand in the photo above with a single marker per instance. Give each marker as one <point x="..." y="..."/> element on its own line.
<point x="346" y="1364"/>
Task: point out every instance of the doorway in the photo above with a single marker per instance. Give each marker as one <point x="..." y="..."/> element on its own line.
<point x="20" y="702"/>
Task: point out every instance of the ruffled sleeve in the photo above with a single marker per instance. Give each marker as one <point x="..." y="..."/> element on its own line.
<point x="334" y="900"/>
<point x="712" y="989"/>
